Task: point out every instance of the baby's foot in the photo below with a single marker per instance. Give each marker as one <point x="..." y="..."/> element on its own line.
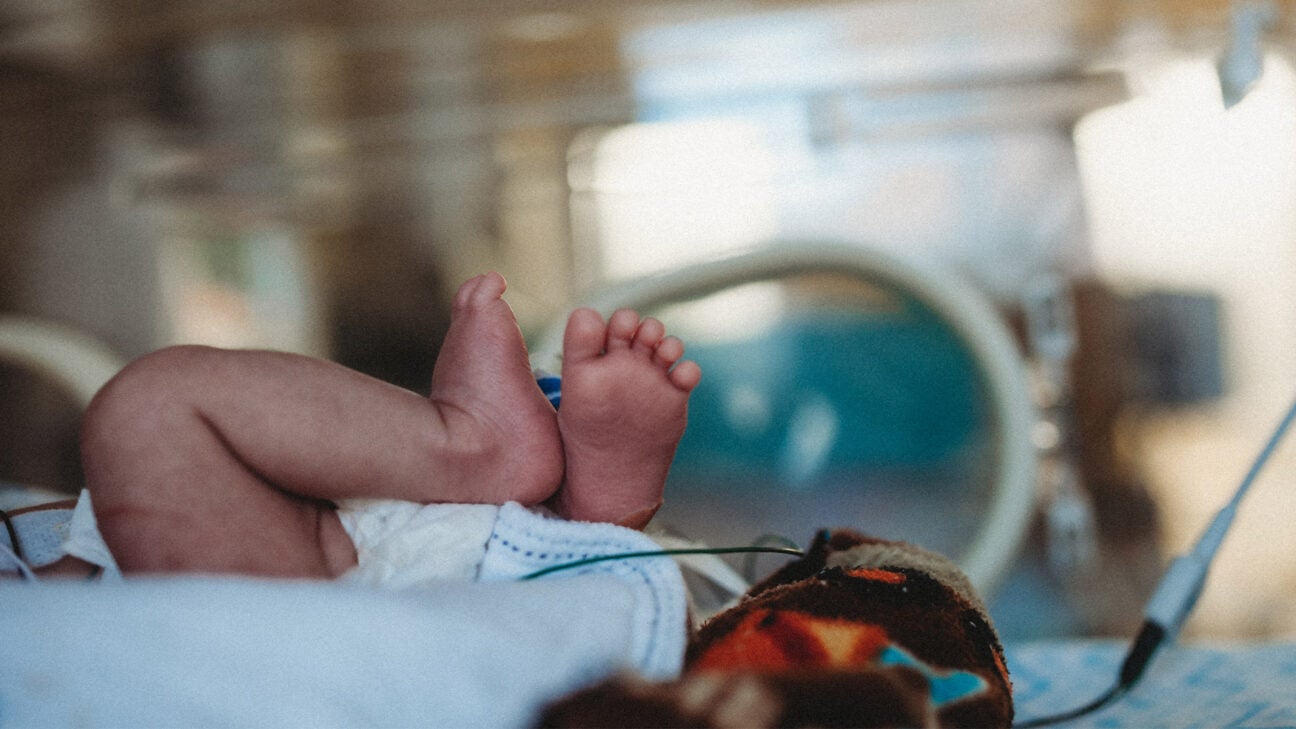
<point x="624" y="407"/>
<point x="501" y="434"/>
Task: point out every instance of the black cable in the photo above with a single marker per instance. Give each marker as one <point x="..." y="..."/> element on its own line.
<point x="749" y="562"/>
<point x="1113" y="693"/>
<point x="13" y="535"/>
<point x="1178" y="590"/>
<point x="1140" y="654"/>
<point x="661" y="553"/>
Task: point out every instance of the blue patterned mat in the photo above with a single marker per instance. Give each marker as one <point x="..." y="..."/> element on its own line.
<point x="1186" y="686"/>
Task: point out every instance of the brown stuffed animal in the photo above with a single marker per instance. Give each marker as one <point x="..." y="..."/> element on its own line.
<point x="859" y="632"/>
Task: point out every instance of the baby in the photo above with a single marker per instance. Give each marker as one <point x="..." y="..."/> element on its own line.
<point x="219" y="461"/>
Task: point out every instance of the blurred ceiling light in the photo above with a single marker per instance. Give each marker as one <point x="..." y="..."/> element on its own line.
<point x="1177" y="187"/>
<point x="661" y="195"/>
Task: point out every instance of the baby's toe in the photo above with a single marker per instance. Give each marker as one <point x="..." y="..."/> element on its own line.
<point x="466" y="290"/>
<point x="668" y="351"/>
<point x="480" y="290"/>
<point x="621" y="329"/>
<point x="686" y="375"/>
<point x="491" y="288"/>
<point x="648" y="336"/>
<point x="585" y="336"/>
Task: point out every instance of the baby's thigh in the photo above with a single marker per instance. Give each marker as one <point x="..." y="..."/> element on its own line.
<point x="250" y="529"/>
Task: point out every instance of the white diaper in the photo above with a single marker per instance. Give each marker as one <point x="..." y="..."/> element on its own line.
<point x="398" y="543"/>
<point x="402" y="544"/>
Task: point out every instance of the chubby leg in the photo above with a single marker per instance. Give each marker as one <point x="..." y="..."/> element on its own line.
<point x="212" y="460"/>
<point x="624" y="407"/>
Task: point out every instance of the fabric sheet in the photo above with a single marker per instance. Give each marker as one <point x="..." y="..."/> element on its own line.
<point x="226" y="652"/>
<point x="1186" y="686"/>
<point x="204" y="651"/>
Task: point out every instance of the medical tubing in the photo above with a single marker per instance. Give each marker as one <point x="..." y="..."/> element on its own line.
<point x="1263" y="458"/>
<point x="749" y="562"/>
<point x="1177" y="593"/>
<point x="1149" y="639"/>
<point x="1113" y="693"/>
<point x="1183" y="582"/>
<point x="13" y="535"/>
<point x="1175" y="596"/>
<point x="15" y="554"/>
<point x="660" y="553"/>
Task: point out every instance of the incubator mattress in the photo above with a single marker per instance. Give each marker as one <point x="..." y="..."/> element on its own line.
<point x="1190" y="685"/>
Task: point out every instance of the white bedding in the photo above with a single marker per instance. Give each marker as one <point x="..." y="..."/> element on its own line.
<point x="204" y="651"/>
<point x="197" y="651"/>
<point x="221" y="652"/>
<point x="226" y="652"/>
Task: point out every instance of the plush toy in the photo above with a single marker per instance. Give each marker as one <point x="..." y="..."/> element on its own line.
<point x="859" y="632"/>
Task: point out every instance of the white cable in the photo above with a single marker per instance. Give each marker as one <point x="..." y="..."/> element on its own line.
<point x="1182" y="585"/>
<point x="1176" y="595"/>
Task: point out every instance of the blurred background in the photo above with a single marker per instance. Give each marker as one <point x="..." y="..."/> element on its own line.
<point x="318" y="175"/>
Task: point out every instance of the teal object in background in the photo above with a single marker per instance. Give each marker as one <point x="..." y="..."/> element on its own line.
<point x="832" y="391"/>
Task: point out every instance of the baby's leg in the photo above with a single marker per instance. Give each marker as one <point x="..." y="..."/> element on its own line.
<point x="624" y="407"/>
<point x="201" y="459"/>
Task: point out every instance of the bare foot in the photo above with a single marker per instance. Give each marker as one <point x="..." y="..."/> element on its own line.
<point x="624" y="407"/>
<point x="496" y="416"/>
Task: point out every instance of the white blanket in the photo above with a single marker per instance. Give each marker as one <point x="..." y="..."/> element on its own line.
<point x="228" y="652"/>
